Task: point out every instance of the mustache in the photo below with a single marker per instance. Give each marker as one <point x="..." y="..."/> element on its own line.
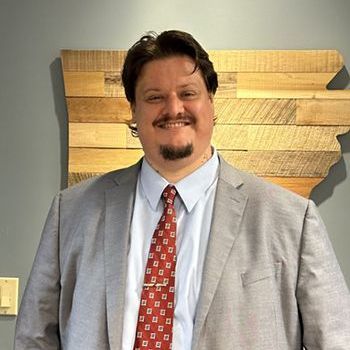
<point x="188" y="119"/>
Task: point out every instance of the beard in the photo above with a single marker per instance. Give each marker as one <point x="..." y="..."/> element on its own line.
<point x="175" y="153"/>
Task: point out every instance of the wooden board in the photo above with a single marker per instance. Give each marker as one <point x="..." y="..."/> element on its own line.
<point x="281" y="85"/>
<point x="224" y="60"/>
<point x="262" y="163"/>
<point x="226" y="137"/>
<point x="323" y="112"/>
<point x="98" y="110"/>
<point x="274" y="114"/>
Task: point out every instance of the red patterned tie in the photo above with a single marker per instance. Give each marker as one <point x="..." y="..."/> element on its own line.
<point x="156" y="313"/>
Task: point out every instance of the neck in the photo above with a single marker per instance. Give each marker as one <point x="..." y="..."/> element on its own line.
<point x="174" y="171"/>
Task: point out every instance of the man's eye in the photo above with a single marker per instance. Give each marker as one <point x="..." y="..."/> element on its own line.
<point x="153" y="98"/>
<point x="189" y="94"/>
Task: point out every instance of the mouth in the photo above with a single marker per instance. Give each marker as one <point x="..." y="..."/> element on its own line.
<point x="168" y="123"/>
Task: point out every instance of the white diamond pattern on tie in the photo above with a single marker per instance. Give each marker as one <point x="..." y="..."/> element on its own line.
<point x="156" y="313"/>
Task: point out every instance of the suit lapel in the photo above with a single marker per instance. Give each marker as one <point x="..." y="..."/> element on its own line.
<point x="119" y="206"/>
<point x="228" y="210"/>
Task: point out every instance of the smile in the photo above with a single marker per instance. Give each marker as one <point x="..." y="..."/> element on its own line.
<point x="169" y="123"/>
<point x="172" y="125"/>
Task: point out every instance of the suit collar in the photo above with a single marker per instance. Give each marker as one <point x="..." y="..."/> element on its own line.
<point x="230" y="202"/>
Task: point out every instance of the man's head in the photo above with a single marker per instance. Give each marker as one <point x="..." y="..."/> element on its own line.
<point x="169" y="43"/>
<point x="170" y="83"/>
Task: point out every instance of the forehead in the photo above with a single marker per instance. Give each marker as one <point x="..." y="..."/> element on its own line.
<point x="169" y="71"/>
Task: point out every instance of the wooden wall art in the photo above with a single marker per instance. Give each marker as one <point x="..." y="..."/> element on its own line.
<point x="275" y="116"/>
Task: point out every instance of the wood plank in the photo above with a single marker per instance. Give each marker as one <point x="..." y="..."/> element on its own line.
<point x="84" y="84"/>
<point x="280" y="85"/>
<point x="262" y="163"/>
<point x="92" y="60"/>
<point x="227" y="85"/>
<point x="228" y="111"/>
<point x="323" y="112"/>
<point x="300" y="185"/>
<point x="296" y="94"/>
<point x="225" y="137"/>
<point x="291" y="61"/>
<point x="332" y="94"/>
<point x="283" y="163"/>
<point x="224" y="60"/>
<point x="255" y="111"/>
<point x="98" y="110"/>
<point x="113" y="85"/>
<point x="101" y="135"/>
<point x="277" y="137"/>
<point x="101" y="160"/>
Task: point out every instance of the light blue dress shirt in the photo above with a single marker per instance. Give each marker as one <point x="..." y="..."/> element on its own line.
<point x="194" y="206"/>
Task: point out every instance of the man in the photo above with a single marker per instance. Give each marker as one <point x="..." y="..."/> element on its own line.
<point x="254" y="266"/>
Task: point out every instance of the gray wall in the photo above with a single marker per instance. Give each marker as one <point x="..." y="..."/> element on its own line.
<point x="32" y="110"/>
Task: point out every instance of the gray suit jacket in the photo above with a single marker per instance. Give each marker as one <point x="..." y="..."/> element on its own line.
<point x="270" y="281"/>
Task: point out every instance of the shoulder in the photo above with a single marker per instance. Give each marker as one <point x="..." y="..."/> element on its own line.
<point x="95" y="187"/>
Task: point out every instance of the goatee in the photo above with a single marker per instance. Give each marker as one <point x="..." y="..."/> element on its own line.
<point x="175" y="153"/>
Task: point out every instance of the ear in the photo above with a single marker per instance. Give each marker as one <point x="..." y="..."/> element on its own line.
<point x="211" y="97"/>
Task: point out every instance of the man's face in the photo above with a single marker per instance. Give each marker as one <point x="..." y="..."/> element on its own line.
<point x="174" y="112"/>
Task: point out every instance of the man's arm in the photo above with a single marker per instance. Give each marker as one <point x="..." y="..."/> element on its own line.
<point x="322" y="294"/>
<point x="37" y="323"/>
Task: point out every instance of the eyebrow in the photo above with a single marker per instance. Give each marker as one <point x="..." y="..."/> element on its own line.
<point x="194" y="85"/>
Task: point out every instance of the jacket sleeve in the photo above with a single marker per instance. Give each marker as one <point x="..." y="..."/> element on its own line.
<point x="322" y="294"/>
<point x="37" y="322"/>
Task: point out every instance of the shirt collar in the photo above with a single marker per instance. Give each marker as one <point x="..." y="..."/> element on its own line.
<point x="190" y="189"/>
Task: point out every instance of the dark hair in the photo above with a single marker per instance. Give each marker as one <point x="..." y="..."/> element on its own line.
<point x="169" y="43"/>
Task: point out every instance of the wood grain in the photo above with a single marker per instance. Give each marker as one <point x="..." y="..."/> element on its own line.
<point x="274" y="114"/>
<point x="98" y="110"/>
<point x="84" y="84"/>
<point x="277" y="137"/>
<point x="283" y="163"/>
<point x="224" y="60"/>
<point x="300" y="185"/>
<point x="225" y="137"/>
<point x="255" y="111"/>
<point x="92" y="60"/>
<point x="323" y="112"/>
<point x="281" y="85"/>
<point x="261" y="163"/>
<point x="96" y="160"/>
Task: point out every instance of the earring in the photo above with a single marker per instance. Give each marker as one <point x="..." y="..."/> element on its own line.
<point x="133" y="128"/>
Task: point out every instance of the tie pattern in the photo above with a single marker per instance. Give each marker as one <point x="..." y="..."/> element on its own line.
<point x="156" y="313"/>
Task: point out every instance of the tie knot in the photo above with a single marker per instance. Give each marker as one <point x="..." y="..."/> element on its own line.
<point x="169" y="194"/>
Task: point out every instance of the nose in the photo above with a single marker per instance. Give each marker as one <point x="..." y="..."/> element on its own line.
<point x="173" y="106"/>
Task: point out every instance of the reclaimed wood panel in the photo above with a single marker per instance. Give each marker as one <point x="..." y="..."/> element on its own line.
<point x="92" y="60"/>
<point x="84" y="83"/>
<point x="290" y="61"/>
<point x="225" y="137"/>
<point x="277" y="137"/>
<point x="261" y="163"/>
<point x="280" y="85"/>
<point x="96" y="160"/>
<point x="255" y="111"/>
<point x="283" y="163"/>
<point x="323" y="112"/>
<point x="274" y="114"/>
<point x="223" y="60"/>
<point x="300" y="185"/>
<point x="98" y="110"/>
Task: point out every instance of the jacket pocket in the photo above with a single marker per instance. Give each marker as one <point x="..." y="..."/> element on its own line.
<point x="256" y="275"/>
